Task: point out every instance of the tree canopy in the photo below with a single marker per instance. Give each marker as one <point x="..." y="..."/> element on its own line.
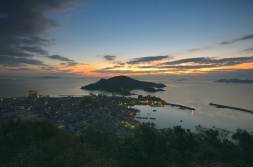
<point x="41" y="143"/>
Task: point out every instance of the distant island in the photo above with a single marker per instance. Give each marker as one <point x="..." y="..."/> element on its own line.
<point x="48" y="77"/>
<point x="123" y="85"/>
<point x="183" y="79"/>
<point x="235" y="80"/>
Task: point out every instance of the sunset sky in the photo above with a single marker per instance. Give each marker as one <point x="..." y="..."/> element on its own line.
<point x="95" y="38"/>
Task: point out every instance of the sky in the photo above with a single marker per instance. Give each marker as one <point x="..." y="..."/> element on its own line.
<point x="97" y="38"/>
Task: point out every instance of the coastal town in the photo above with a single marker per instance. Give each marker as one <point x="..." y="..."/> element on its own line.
<point x="76" y="114"/>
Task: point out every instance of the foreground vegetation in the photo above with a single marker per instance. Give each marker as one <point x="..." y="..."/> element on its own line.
<point x="32" y="144"/>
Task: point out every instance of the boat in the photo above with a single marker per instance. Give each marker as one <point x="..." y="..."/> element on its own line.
<point x="152" y="118"/>
<point x="154" y="110"/>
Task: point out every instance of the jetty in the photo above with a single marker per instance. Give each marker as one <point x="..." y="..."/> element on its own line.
<point x="180" y="106"/>
<point x="144" y="118"/>
<point x="141" y="117"/>
<point x="72" y="95"/>
<point x="234" y="108"/>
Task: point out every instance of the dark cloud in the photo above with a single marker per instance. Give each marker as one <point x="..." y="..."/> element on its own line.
<point x="109" y="68"/>
<point x="248" y="50"/>
<point x="147" y="59"/>
<point x="33" y="49"/>
<point x="66" y="71"/>
<point x="20" y="69"/>
<point x="212" y="61"/>
<point x="58" y="57"/>
<point x="48" y="68"/>
<point x="17" y="61"/>
<point x="248" y="37"/>
<point x="72" y="63"/>
<point x="109" y="57"/>
<point x="61" y="58"/>
<point x="237" y="39"/>
<point x="146" y="67"/>
<point x="179" y="67"/>
<point x="116" y="66"/>
<point x="190" y="67"/>
<point x="119" y="63"/>
<point x="24" y="25"/>
<point x="199" y="49"/>
<point x="233" y="70"/>
<point x="200" y="60"/>
<point x="130" y="71"/>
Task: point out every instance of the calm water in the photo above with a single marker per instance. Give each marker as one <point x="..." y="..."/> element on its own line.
<point x="197" y="94"/>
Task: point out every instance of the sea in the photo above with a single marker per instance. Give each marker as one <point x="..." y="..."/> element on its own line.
<point x="188" y="93"/>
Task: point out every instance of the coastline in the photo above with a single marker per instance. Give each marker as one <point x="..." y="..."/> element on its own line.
<point x="198" y="94"/>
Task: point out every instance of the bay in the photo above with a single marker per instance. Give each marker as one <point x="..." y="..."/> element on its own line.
<point x="190" y="93"/>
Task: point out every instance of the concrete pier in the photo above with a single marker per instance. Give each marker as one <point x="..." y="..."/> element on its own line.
<point x="234" y="108"/>
<point x="180" y="106"/>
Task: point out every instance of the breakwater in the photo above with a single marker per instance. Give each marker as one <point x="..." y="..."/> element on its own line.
<point x="230" y="107"/>
<point x="72" y="95"/>
<point x="138" y="117"/>
<point x="180" y="106"/>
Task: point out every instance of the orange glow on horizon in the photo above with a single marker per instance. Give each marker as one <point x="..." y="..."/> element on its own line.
<point x="105" y="69"/>
<point x="243" y="66"/>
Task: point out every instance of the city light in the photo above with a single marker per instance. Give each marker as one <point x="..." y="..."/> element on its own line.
<point x="71" y="110"/>
<point x="131" y="114"/>
<point x="192" y="113"/>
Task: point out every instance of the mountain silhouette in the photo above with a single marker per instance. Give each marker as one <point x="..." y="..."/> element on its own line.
<point x="121" y="84"/>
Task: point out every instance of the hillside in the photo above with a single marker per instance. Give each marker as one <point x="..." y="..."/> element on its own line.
<point x="121" y="84"/>
<point x="41" y="143"/>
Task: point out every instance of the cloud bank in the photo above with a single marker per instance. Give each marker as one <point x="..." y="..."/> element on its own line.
<point x="248" y="50"/>
<point x="109" y="57"/>
<point x="237" y="40"/>
<point x="147" y="59"/>
<point x="193" y="65"/>
<point x="213" y="61"/>
<point x="23" y="27"/>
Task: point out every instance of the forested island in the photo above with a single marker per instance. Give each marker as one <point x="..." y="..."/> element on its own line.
<point x="40" y="143"/>
<point x="123" y="85"/>
<point x="235" y="80"/>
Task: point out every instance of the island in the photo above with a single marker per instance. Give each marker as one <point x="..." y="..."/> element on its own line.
<point x="123" y="85"/>
<point x="48" y="77"/>
<point x="235" y="80"/>
<point x="183" y="79"/>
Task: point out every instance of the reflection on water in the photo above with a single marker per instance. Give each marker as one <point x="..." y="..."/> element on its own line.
<point x="170" y="116"/>
<point x="192" y="112"/>
<point x="199" y="95"/>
